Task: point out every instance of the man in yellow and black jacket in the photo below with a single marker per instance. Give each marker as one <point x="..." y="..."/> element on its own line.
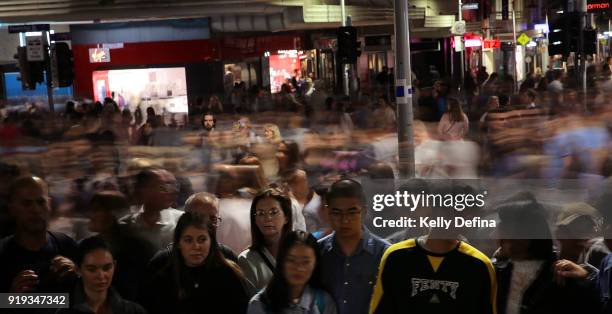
<point x="427" y="275"/>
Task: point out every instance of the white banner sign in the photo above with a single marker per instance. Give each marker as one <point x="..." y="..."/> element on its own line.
<point x="35" y="48"/>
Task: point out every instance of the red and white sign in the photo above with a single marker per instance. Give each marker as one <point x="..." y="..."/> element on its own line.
<point x="472" y="40"/>
<point x="491" y="44"/>
<point x="99" y="55"/>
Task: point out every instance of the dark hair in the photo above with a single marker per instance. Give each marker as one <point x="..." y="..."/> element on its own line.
<point x="25" y="181"/>
<point x="214" y="259"/>
<point x="455" y="111"/>
<point x="276" y="295"/>
<point x="126" y="113"/>
<point x="112" y="201"/>
<point x="89" y="245"/>
<point x="381" y="170"/>
<point x="70" y="107"/>
<point x="208" y="114"/>
<point x="527" y="220"/>
<point x="293" y="154"/>
<point x="346" y="188"/>
<point x="145" y="176"/>
<point x="257" y="238"/>
<point x="9" y="170"/>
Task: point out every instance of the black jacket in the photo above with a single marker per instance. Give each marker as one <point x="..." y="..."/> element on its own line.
<point x="544" y="296"/>
<point x="117" y="304"/>
<point x="211" y="290"/>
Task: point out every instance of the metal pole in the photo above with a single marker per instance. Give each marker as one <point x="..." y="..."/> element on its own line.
<point x="515" y="48"/>
<point x="583" y="22"/>
<point x="345" y="67"/>
<point x="343" y="12"/>
<point x="48" y="70"/>
<point x="403" y="77"/>
<point x="462" y="64"/>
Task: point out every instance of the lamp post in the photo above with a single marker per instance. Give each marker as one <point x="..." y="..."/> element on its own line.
<point x="514" y="54"/>
<point x="462" y="64"/>
<point x="403" y="76"/>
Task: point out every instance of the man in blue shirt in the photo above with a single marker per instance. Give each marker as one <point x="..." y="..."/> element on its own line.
<point x="351" y="254"/>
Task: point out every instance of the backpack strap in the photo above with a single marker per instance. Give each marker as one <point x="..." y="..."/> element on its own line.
<point x="320" y="300"/>
<point x="266" y="260"/>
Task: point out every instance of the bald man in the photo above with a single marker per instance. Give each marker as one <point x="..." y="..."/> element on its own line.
<point x="33" y="259"/>
<point x="156" y="190"/>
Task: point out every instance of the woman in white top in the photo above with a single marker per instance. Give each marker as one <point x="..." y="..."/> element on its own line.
<point x="271" y="219"/>
<point x="454" y="124"/>
<point x="295" y="287"/>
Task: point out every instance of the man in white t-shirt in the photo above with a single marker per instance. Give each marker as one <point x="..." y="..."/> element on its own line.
<point x="156" y="190"/>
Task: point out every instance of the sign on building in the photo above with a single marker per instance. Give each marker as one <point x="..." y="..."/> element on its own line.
<point x="99" y="55"/>
<point x="598" y="5"/>
<point x="35" y="48"/>
<point x="14" y="29"/>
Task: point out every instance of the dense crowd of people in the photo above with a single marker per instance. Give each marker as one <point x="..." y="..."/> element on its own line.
<point x="260" y="203"/>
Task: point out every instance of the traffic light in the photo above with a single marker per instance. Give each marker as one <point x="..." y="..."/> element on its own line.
<point x="24" y="68"/>
<point x="30" y="73"/>
<point x="563" y="37"/>
<point x="590" y="41"/>
<point x="348" y="46"/>
<point x="64" y="62"/>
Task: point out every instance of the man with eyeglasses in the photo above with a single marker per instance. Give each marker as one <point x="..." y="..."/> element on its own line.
<point x="156" y="190"/>
<point x="351" y="254"/>
<point x="205" y="204"/>
<point x="34" y="259"/>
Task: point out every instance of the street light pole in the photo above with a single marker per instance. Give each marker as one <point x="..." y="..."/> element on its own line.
<point x="49" y="72"/>
<point x="583" y="68"/>
<point x="346" y="87"/>
<point x="343" y="12"/>
<point x="403" y="76"/>
<point x="514" y="54"/>
<point x="462" y="64"/>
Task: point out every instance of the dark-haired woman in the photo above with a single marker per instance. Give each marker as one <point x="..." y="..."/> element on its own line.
<point x="295" y="286"/>
<point x="288" y="155"/>
<point x="454" y="124"/>
<point x="271" y="219"/>
<point x="94" y="294"/>
<point x="530" y="278"/>
<point x="130" y="251"/>
<point x="197" y="278"/>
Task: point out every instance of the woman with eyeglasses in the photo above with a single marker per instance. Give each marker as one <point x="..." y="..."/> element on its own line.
<point x="271" y="219"/>
<point x="295" y="286"/>
<point x="197" y="278"/>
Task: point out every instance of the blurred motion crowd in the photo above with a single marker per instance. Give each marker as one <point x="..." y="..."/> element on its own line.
<point x="258" y="203"/>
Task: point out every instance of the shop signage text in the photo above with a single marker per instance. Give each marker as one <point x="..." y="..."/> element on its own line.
<point x="598" y="5"/>
<point x="99" y="55"/>
<point x="492" y="44"/>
